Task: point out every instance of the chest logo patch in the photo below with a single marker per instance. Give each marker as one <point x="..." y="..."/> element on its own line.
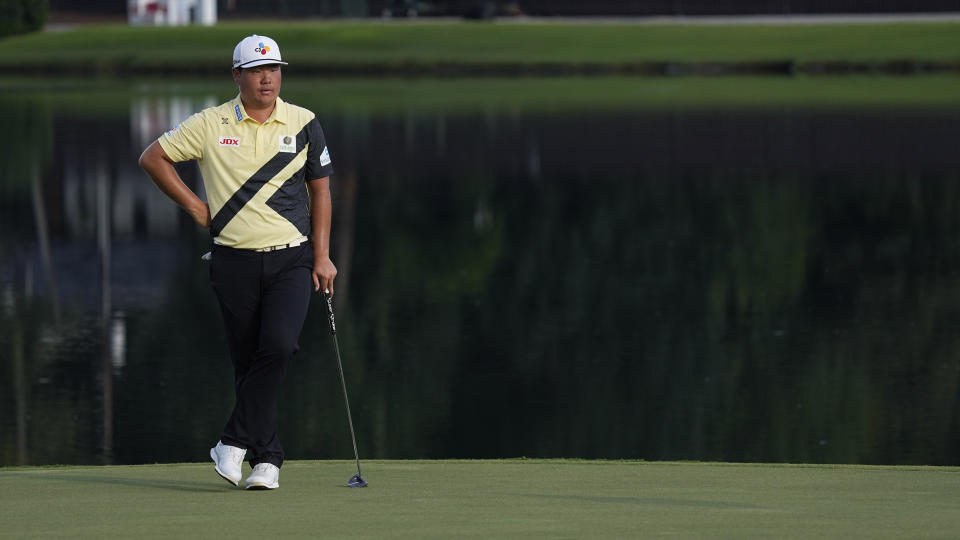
<point x="288" y="143"/>
<point x="228" y="141"/>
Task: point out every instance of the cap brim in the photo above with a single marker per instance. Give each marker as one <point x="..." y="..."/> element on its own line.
<point x="259" y="62"/>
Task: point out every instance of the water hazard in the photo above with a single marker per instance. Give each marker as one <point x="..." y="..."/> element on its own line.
<point x="770" y="282"/>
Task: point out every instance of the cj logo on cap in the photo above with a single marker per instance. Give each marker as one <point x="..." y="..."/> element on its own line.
<point x="228" y="141"/>
<point x="254" y="51"/>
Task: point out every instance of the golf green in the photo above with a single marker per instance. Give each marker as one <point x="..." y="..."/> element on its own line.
<point x="487" y="499"/>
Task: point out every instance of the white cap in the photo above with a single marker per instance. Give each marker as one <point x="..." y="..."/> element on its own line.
<point x="256" y="51"/>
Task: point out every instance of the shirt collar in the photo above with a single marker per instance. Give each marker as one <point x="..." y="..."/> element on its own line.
<point x="280" y="112"/>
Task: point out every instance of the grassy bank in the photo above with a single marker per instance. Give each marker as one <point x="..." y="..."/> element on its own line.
<point x="458" y="48"/>
<point x="103" y="98"/>
<point x="487" y="499"/>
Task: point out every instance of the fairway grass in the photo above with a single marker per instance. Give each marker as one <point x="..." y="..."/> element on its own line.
<point x="486" y="499"/>
<point x="459" y="48"/>
<point x="376" y="97"/>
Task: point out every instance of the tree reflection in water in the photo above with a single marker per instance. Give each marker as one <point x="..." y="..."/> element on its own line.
<point x="751" y="284"/>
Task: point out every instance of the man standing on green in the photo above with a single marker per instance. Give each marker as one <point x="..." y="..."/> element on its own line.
<point x="266" y="171"/>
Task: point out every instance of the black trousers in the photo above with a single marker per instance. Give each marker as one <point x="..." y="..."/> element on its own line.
<point x="264" y="298"/>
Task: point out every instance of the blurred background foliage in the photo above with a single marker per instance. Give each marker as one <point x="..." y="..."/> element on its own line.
<point x="22" y="16"/>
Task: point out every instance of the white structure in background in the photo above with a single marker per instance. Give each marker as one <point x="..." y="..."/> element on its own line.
<point x="171" y="12"/>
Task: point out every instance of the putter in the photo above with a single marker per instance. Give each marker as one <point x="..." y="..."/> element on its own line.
<point x="357" y="479"/>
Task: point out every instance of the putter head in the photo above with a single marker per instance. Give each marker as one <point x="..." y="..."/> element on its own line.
<point x="356" y="481"/>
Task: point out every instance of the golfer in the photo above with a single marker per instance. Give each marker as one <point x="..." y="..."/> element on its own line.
<point x="266" y="172"/>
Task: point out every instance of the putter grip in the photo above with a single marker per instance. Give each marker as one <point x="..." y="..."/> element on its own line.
<point x="330" y="318"/>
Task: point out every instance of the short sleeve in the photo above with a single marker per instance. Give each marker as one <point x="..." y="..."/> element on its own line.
<point x="318" y="164"/>
<point x="184" y="141"/>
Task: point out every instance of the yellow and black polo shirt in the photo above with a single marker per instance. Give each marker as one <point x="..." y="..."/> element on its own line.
<point x="254" y="173"/>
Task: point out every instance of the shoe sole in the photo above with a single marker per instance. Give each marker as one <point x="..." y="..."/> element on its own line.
<point x="213" y="456"/>
<point x="262" y="487"/>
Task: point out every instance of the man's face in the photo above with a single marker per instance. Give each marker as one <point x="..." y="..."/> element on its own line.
<point x="259" y="85"/>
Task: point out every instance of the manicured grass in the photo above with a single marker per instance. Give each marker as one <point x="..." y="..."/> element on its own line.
<point x="401" y="96"/>
<point x="487" y="499"/>
<point x="618" y="93"/>
<point x="361" y="43"/>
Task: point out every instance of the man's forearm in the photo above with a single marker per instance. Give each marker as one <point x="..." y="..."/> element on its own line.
<point x="160" y="169"/>
<point x="321" y="210"/>
<point x="324" y="272"/>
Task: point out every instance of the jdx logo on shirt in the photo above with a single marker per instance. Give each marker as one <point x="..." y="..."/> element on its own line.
<point x="228" y="141"/>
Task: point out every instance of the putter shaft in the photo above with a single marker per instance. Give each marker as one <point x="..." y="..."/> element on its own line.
<point x="343" y="381"/>
<point x="346" y="400"/>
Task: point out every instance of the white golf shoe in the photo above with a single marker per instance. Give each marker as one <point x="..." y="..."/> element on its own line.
<point x="264" y="476"/>
<point x="228" y="462"/>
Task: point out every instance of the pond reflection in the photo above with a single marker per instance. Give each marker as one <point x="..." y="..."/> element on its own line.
<point x="741" y="284"/>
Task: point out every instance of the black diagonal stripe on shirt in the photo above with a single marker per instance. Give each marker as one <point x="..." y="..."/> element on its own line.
<point x="291" y="200"/>
<point x="242" y="196"/>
